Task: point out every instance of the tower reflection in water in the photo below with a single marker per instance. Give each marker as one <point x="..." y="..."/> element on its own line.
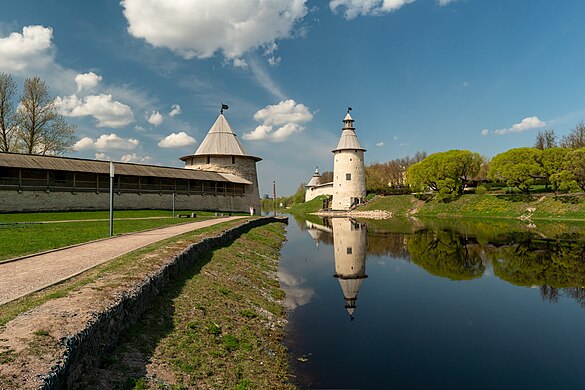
<point x="349" y="245"/>
<point x="349" y="248"/>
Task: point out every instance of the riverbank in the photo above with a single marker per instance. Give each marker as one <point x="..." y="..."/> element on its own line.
<point x="63" y="330"/>
<point x="536" y="207"/>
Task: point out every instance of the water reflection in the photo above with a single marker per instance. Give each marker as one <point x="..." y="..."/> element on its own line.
<point x="349" y="243"/>
<point x="446" y="301"/>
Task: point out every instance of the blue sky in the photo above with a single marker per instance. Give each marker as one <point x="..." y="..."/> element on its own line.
<point x="143" y="80"/>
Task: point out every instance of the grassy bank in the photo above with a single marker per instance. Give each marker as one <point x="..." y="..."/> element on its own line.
<point x="219" y="326"/>
<point x="550" y="207"/>
<point x="22" y="234"/>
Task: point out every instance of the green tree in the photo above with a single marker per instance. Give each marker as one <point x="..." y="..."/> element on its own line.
<point x="552" y="161"/>
<point x="445" y="172"/>
<point x="41" y="129"/>
<point x="7" y="114"/>
<point x="575" y="168"/>
<point x="518" y="167"/>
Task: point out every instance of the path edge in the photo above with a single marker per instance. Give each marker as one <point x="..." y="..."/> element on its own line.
<point x="101" y="334"/>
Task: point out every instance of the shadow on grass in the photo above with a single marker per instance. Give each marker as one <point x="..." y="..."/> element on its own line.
<point x="125" y="366"/>
<point x="522" y="198"/>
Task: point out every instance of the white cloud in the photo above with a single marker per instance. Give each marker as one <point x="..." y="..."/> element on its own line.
<point x="177" y="140"/>
<point x="380" y="144"/>
<point x="264" y="79"/>
<point x="87" y="81"/>
<point x="240" y="63"/>
<point x="175" y="110"/>
<point x="102" y="156"/>
<point x="155" y="118"/>
<point x="194" y="28"/>
<point x="287" y="116"/>
<point x="29" y="49"/>
<point x="134" y="158"/>
<point x="273" y="61"/>
<point x="485" y="132"/>
<point x="139" y="129"/>
<point x="106" y="142"/>
<point x="529" y="123"/>
<point x="354" y="8"/>
<point x="443" y="3"/>
<point x="108" y="113"/>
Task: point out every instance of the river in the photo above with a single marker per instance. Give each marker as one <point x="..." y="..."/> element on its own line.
<point x="434" y="304"/>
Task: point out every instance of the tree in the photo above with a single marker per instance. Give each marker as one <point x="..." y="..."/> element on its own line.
<point x="41" y="129"/>
<point x="552" y="161"/>
<point x="518" y="167"/>
<point x="326" y="177"/>
<point x="445" y="172"/>
<point x="575" y="167"/>
<point x="545" y="140"/>
<point x="7" y="117"/>
<point x="576" y="138"/>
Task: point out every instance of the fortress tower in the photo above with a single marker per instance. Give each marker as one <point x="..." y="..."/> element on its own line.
<point x="349" y="174"/>
<point x="221" y="151"/>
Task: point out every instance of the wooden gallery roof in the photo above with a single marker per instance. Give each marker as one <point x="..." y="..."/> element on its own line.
<point x="52" y="163"/>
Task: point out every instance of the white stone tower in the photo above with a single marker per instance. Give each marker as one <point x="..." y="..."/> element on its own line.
<point x="349" y="174"/>
<point x="350" y="245"/>
<point x="221" y="151"/>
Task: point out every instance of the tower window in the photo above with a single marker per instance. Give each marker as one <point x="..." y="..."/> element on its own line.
<point x="349" y="250"/>
<point x="350" y="159"/>
<point x="348" y="176"/>
<point x="208" y="159"/>
<point x="233" y="159"/>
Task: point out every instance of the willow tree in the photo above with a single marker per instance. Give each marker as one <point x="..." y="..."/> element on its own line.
<point x="518" y="167"/>
<point x="446" y="172"/>
<point x="41" y="129"/>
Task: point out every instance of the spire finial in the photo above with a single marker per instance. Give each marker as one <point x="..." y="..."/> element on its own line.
<point x="348" y="109"/>
<point x="223" y="107"/>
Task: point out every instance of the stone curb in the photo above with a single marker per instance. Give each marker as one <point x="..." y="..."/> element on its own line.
<point x="86" y="347"/>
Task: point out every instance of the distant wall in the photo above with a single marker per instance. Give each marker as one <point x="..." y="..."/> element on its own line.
<point x="14" y="201"/>
<point x="313" y="192"/>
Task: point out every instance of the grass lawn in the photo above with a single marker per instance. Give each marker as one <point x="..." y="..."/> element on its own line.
<point x="19" y="239"/>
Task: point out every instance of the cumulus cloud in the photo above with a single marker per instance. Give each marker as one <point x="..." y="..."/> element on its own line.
<point x="485" y="132"/>
<point x="87" y="81"/>
<point x="175" y="110"/>
<point x="155" y="118"/>
<point x="31" y="48"/>
<point x="193" y="28"/>
<point x="529" y="123"/>
<point x="280" y="121"/>
<point x="102" y="156"/>
<point x="177" y="140"/>
<point x="106" y="142"/>
<point x="108" y="113"/>
<point x="380" y="144"/>
<point x="353" y="8"/>
<point x="134" y="158"/>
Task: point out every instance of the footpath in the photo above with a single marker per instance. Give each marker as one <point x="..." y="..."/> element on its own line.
<point x="33" y="273"/>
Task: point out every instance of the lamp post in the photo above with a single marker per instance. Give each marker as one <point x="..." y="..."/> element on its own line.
<point x="111" y="198"/>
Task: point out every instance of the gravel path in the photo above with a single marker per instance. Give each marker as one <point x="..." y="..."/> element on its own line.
<point x="22" y="277"/>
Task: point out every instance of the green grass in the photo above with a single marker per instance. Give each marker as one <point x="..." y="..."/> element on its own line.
<point x="199" y="335"/>
<point x="22" y="239"/>
<point x="311" y="206"/>
<point x="126" y="266"/>
<point x="537" y="206"/>
<point x="85" y="215"/>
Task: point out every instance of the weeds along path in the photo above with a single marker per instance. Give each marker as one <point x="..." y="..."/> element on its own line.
<point x="36" y="272"/>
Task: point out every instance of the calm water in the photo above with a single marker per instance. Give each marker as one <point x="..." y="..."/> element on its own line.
<point x="435" y="305"/>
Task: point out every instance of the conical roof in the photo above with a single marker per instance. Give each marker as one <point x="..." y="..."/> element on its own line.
<point x="221" y="140"/>
<point x="315" y="180"/>
<point x="348" y="138"/>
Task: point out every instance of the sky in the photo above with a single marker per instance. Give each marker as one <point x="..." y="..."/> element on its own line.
<point x="144" y="80"/>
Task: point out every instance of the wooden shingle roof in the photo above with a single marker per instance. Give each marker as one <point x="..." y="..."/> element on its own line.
<point x="14" y="160"/>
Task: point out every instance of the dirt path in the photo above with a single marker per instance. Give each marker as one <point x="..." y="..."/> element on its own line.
<point x="19" y="278"/>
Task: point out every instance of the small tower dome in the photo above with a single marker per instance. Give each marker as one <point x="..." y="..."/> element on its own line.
<point x="349" y="174"/>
